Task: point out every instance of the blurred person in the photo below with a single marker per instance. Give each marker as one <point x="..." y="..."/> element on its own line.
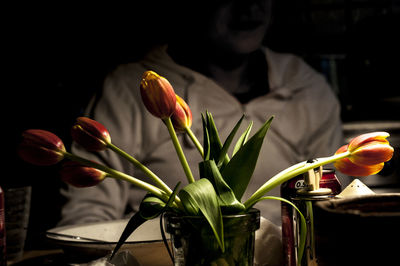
<point x="216" y="61"/>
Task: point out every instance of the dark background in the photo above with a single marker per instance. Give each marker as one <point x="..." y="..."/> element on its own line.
<point x="56" y="57"/>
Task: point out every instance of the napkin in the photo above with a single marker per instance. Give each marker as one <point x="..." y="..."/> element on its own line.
<point x="268" y="250"/>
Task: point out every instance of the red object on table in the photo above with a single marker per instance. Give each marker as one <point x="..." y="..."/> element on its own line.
<point x="289" y="191"/>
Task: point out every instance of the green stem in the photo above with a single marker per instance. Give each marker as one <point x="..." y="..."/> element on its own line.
<point x="289" y="173"/>
<point x="195" y="141"/>
<point x="143" y="168"/>
<point x="179" y="150"/>
<point x="120" y="175"/>
<point x="310" y="215"/>
<point x="303" y="227"/>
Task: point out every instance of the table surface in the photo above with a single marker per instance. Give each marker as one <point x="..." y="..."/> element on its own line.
<point x="41" y="257"/>
<point x="57" y="257"/>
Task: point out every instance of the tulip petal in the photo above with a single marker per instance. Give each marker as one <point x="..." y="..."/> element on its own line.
<point x="90" y="134"/>
<point x="348" y="168"/>
<point x="43" y="138"/>
<point x="41" y="147"/>
<point x="372" y="153"/>
<point x="342" y="149"/>
<point x="368" y="137"/>
<point x="79" y="175"/>
<point x="39" y="155"/>
<point x="182" y="117"/>
<point x="94" y="128"/>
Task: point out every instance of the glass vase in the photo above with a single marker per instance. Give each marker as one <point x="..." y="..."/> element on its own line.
<point x="194" y="243"/>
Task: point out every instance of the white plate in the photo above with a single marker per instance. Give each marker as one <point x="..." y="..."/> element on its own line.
<point x="145" y="243"/>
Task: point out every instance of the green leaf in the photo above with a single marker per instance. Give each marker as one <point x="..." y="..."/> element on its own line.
<point x="150" y="207"/>
<point x="206" y="139"/>
<point x="215" y="142"/>
<point x="226" y="197"/>
<point x="243" y="138"/>
<point x="200" y="197"/>
<point x="238" y="172"/>
<point x="134" y="222"/>
<point x="222" y="158"/>
<point x="303" y="226"/>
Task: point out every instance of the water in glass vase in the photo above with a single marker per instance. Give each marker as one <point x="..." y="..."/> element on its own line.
<point x="194" y="243"/>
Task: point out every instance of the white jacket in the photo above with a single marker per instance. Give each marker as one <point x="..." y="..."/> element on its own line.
<point x="306" y="125"/>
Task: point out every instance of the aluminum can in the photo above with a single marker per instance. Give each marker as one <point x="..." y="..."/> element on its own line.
<point x="3" y="260"/>
<point x="290" y="219"/>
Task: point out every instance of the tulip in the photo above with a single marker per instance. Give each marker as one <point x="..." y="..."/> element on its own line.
<point x="104" y="171"/>
<point x="158" y="95"/>
<point x="368" y="153"/>
<point x="78" y="175"/>
<point x="41" y="147"/>
<point x="93" y="136"/>
<point x="182" y="117"/>
<point x="364" y="155"/>
<point x="346" y="166"/>
<point x="370" y="149"/>
<point x="160" y="100"/>
<point x="182" y="121"/>
<point x="90" y="134"/>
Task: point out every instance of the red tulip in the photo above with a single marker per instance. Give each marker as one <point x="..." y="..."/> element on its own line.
<point x="157" y="94"/>
<point x="370" y="149"/>
<point x="41" y="147"/>
<point x="347" y="167"/>
<point x="78" y="175"/>
<point x="182" y="117"/>
<point x="90" y="134"/>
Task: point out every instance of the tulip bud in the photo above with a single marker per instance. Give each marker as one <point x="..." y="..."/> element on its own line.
<point x="90" y="134"/>
<point x="182" y="117"/>
<point x="41" y="147"/>
<point x="157" y="94"/>
<point x="347" y="167"/>
<point x="370" y="149"/>
<point x="79" y="175"/>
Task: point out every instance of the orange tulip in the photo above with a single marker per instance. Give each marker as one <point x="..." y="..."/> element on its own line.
<point x="158" y="95"/>
<point x="90" y="134"/>
<point x="347" y="167"/>
<point x="41" y="147"/>
<point x="370" y="149"/>
<point x="368" y="153"/>
<point x="78" y="175"/>
<point x="182" y="117"/>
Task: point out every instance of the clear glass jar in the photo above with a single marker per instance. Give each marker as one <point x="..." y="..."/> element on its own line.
<point x="194" y="243"/>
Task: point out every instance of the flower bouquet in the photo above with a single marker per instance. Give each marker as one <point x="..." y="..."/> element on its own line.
<point x="217" y="195"/>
